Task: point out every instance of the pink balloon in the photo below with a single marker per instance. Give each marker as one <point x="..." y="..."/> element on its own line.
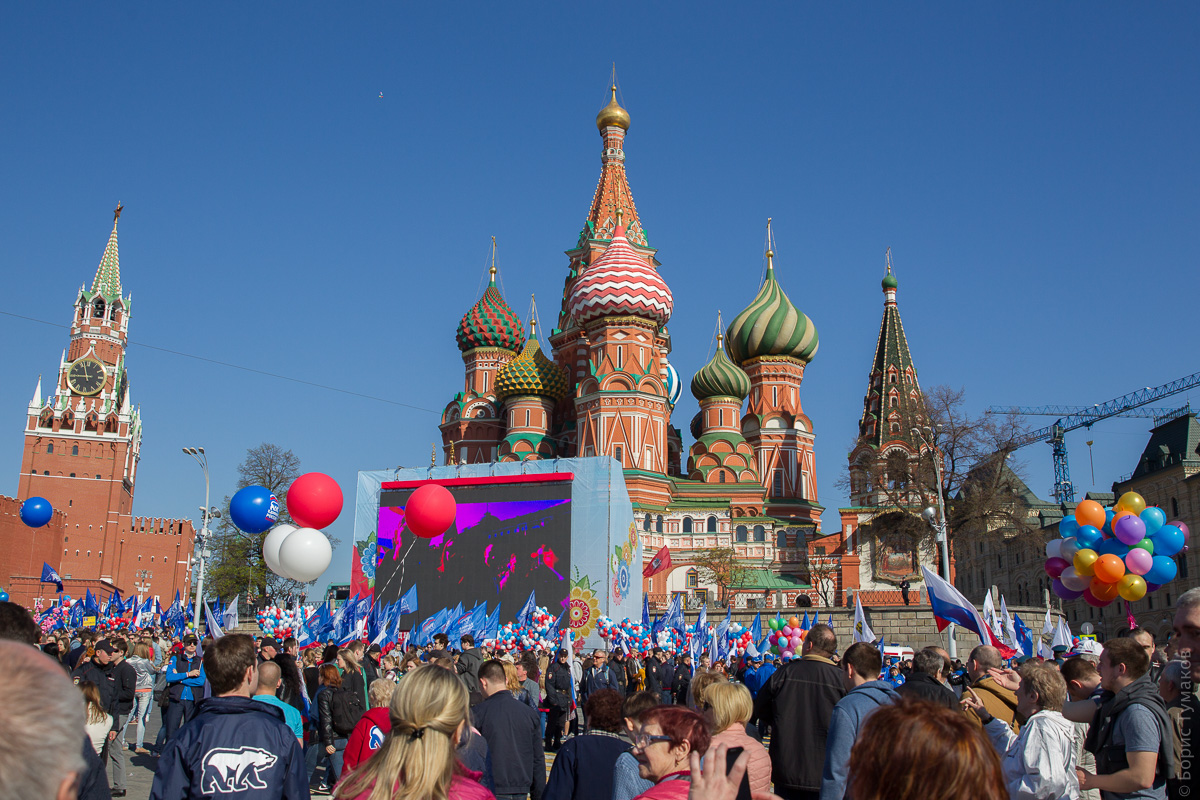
<point x="1183" y="527"/>
<point x="1055" y="566"/>
<point x="795" y="642"/>
<point x="1139" y="561"/>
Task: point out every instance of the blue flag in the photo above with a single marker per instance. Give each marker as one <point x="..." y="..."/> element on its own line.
<point x="556" y="628"/>
<point x="191" y="609"/>
<point x="89" y="603"/>
<point x="674" y="616"/>
<point x="77" y="614"/>
<point x="479" y="615"/>
<point x="525" y="618"/>
<point x="491" y="626"/>
<point x="429" y="627"/>
<point x="408" y="602"/>
<point x="374" y="620"/>
<point x="50" y="575"/>
<point x="645" y="612"/>
<point x="348" y="622"/>
<point x="723" y="631"/>
<point x="805" y="624"/>
<point x="1024" y="637"/>
<point x="700" y="631"/>
<point x="756" y="627"/>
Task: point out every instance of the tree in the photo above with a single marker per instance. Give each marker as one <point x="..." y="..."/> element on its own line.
<point x="723" y="567"/>
<point x="823" y="573"/>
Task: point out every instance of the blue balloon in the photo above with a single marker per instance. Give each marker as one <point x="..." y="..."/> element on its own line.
<point x="1114" y="547"/>
<point x="1154" y="517"/>
<point x="1168" y="541"/>
<point x="1089" y="536"/>
<point x="1108" y="518"/>
<point x="1163" y="571"/>
<point x="1068" y="527"/>
<point x="254" y="509"/>
<point x="36" y="512"/>
<point x="3" y="596"/>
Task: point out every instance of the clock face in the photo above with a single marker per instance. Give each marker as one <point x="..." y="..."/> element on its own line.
<point x="86" y="376"/>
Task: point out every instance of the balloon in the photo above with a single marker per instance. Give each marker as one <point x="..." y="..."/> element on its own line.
<point x="1132" y="588"/>
<point x="1063" y="591"/>
<point x="1104" y="591"/>
<point x="1089" y="536"/>
<point x="271" y="543"/>
<point x="1138" y="561"/>
<point x="1068" y="549"/>
<point x="1108" y="569"/>
<point x="305" y="554"/>
<point x="1089" y="512"/>
<point x="314" y="500"/>
<point x="1144" y="544"/>
<point x="1168" y="541"/>
<point x="3" y="596"/>
<point x="1113" y="547"/>
<point x="794" y="622"/>
<point x="1055" y="566"/>
<point x="1071" y="578"/>
<point x="1068" y="527"/>
<point x="1129" y="529"/>
<point x="36" y="512"/>
<point x="1084" y="561"/>
<point x="1132" y="502"/>
<point x="430" y="511"/>
<point x="1054" y="548"/>
<point x="1163" y="571"/>
<point x="1092" y="600"/>
<point x="1155" y="518"/>
<point x="1108" y="518"/>
<point x="254" y="509"/>
<point x="1183" y="527"/>
<point x="1152" y="587"/>
<point x="795" y="642"/>
<point x="773" y="624"/>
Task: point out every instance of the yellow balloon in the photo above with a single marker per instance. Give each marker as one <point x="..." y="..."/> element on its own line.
<point x="1085" y="560"/>
<point x="1132" y="502"/>
<point x="1132" y="587"/>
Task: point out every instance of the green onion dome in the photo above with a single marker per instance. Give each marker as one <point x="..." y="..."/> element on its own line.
<point x="532" y="373"/>
<point x="720" y="377"/>
<point x="889" y="281"/>
<point x="491" y="323"/>
<point x="771" y="326"/>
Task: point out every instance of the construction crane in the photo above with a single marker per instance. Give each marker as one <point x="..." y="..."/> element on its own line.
<point x="1064" y="490"/>
<point x="1159" y="415"/>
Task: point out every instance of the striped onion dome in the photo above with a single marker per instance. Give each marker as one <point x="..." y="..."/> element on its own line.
<point x="620" y="283"/>
<point x="674" y="384"/>
<point x="771" y="326"/>
<point x="491" y="323"/>
<point x="720" y="377"/>
<point x="532" y="373"/>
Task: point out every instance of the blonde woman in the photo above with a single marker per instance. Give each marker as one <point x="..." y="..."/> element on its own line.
<point x="511" y="681"/>
<point x="731" y="708"/>
<point x="416" y="761"/>
<point x="97" y="721"/>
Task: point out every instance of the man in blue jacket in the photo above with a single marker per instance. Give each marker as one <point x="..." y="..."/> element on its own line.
<point x="234" y="747"/>
<point x="860" y="667"/>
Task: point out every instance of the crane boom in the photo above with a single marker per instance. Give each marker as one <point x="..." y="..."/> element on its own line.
<point x="1062" y="411"/>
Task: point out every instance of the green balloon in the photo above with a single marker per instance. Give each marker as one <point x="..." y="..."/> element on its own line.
<point x="774" y="624"/>
<point x="1146" y="544"/>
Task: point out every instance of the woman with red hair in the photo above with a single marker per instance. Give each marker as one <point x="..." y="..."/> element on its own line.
<point x="664" y="739"/>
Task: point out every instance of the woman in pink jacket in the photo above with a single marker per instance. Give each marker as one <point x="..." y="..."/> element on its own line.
<point x="663" y="741"/>
<point x="732" y="708"/>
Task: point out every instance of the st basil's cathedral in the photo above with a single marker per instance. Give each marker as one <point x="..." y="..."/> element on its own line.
<point x="608" y="389"/>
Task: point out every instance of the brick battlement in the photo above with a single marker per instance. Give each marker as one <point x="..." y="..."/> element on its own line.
<point x="11" y="507"/>
<point x="162" y="525"/>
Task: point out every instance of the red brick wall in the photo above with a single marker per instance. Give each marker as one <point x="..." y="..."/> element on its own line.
<point x="24" y="549"/>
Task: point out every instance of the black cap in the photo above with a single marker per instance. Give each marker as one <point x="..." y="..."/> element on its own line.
<point x="105" y="646"/>
<point x="562" y="652"/>
<point x="374" y="649"/>
<point x="269" y="641"/>
<point x="190" y="639"/>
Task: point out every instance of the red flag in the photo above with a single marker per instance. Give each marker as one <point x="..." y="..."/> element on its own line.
<point x="359" y="585"/>
<point x="660" y="562"/>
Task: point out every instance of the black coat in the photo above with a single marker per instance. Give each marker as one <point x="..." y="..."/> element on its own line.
<point x="513" y="732"/>
<point x="558" y="686"/>
<point x="126" y="685"/>
<point x="924" y="686"/>
<point x="798" y="702"/>
<point x="325" y="716"/>
<point x="105" y="679"/>
<point x="653" y="682"/>
<point x="681" y="683"/>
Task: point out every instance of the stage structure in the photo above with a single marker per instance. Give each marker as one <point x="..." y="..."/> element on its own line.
<point x="562" y="528"/>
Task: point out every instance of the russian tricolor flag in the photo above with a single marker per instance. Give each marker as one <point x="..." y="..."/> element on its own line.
<point x="950" y="606"/>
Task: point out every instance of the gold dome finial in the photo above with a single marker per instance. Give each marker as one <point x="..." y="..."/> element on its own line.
<point x="612" y="115"/>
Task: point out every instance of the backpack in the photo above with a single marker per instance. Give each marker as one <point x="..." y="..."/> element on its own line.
<point x="345" y="710"/>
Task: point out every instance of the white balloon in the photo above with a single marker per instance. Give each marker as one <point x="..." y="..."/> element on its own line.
<point x="1054" y="548"/>
<point x="271" y="543"/>
<point x="305" y="554"/>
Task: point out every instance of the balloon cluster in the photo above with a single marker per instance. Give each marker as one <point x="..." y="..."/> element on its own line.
<point x="279" y="622"/>
<point x="1124" y="551"/>
<point x="786" y="637"/>
<point x="298" y="552"/>
<point x="536" y="636"/>
<point x="638" y="638"/>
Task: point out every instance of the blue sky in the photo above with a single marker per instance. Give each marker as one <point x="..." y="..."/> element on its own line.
<point x="1033" y="167"/>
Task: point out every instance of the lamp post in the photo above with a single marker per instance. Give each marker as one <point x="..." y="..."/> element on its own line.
<point x="207" y="513"/>
<point x="936" y="517"/>
<point x="142" y="582"/>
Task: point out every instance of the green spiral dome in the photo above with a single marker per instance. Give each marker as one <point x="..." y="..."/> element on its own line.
<point x="771" y="326"/>
<point x="532" y="373"/>
<point x="720" y="377"/>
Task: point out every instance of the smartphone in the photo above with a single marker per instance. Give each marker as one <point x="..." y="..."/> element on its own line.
<point x="744" y="787"/>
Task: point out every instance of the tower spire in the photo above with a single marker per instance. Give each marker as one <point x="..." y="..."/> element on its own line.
<point x="492" y="271"/>
<point x="107" y="282"/>
<point x="770" y="249"/>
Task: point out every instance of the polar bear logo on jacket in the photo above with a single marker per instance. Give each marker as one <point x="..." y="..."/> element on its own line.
<point x="235" y="770"/>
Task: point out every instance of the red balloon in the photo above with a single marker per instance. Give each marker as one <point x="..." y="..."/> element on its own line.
<point x="314" y="500"/>
<point x="430" y="511"/>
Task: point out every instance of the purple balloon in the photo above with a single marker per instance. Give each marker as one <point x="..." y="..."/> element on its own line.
<point x="1129" y="529"/>
<point x="1183" y="527"/>
<point x="1065" y="593"/>
<point x="1139" y="561"/>
<point x="1152" y="587"/>
<point x="1055" y="566"/>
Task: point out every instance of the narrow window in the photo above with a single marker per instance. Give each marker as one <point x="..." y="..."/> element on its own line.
<point x="777" y="482"/>
<point x="721" y="476"/>
<point x="74" y="449"/>
<point x="658" y="524"/>
<point x="646" y="523"/>
<point x="526" y="418"/>
<point x="687" y="524"/>
<point x="711" y="525"/>
<point x="619" y="454"/>
<point x="50" y="447"/>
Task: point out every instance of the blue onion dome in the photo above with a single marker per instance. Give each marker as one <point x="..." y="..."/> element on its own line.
<point x="674" y="384"/>
<point x="720" y="377"/>
<point x="531" y="373"/>
<point x="771" y="326"/>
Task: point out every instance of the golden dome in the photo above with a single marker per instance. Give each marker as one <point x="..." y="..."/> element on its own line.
<point x="612" y="114"/>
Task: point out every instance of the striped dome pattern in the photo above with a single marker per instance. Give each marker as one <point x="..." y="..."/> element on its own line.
<point x="674" y="384"/>
<point x="620" y="283"/>
<point x="720" y="377"/>
<point x="532" y="373"/>
<point x="771" y="326"/>
<point x="491" y="323"/>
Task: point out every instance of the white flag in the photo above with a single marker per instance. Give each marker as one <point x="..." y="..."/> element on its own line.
<point x="991" y="618"/>
<point x="1010" y="626"/>
<point x="1062" y="635"/>
<point x="862" y="631"/>
<point x="210" y="623"/>
<point x="229" y="617"/>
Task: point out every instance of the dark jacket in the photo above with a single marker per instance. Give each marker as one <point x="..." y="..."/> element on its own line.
<point x="681" y="683"/>
<point x="798" y="702"/>
<point x="126" y="684"/>
<point x="234" y="747"/>
<point x="354" y="682"/>
<point x="583" y="768"/>
<point x="514" y="735"/>
<point x="370" y="670"/>
<point x="468" y="668"/>
<point x="924" y="686"/>
<point x="93" y="781"/>
<point x="558" y="686"/>
<point x="596" y="679"/>
<point x="177" y="680"/>
<point x="325" y="716"/>
<point x="653" y="683"/>
<point x="1112" y="758"/>
<point x="105" y="679"/>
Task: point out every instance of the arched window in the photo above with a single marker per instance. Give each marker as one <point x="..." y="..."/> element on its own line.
<point x="781" y="537"/>
<point x="721" y="476"/>
<point x="741" y="534"/>
<point x="74" y="449"/>
<point x="711" y="526"/>
<point x="693" y="579"/>
<point x="760" y="533"/>
<point x="50" y="447"/>
<point x="777" y="482"/>
<point x="646" y="523"/>
<point x="1174" y="508"/>
<point x="658" y="524"/>
<point x="687" y="524"/>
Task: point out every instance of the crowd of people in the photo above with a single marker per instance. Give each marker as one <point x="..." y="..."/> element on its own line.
<point x="258" y="718"/>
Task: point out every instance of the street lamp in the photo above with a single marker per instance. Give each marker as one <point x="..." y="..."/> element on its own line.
<point x="207" y="513"/>
<point x="142" y="582"/>
<point x="936" y="517"/>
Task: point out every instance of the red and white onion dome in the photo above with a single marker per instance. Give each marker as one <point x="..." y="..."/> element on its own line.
<point x="621" y="283"/>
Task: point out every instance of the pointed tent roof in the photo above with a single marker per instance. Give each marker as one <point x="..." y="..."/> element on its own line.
<point x="612" y="190"/>
<point x="107" y="282"/>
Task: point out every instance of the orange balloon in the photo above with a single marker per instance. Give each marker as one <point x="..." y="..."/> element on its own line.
<point x="1105" y="591"/>
<point x="1089" y="512"/>
<point x="794" y="622"/>
<point x="1108" y="568"/>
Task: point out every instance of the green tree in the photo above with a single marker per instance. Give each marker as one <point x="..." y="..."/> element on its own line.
<point x="721" y="565"/>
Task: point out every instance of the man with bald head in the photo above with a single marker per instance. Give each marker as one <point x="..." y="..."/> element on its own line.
<point x="1000" y="702"/>
<point x="269" y="678"/>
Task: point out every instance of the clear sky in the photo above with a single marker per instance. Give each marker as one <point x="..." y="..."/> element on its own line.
<point x="1032" y="166"/>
